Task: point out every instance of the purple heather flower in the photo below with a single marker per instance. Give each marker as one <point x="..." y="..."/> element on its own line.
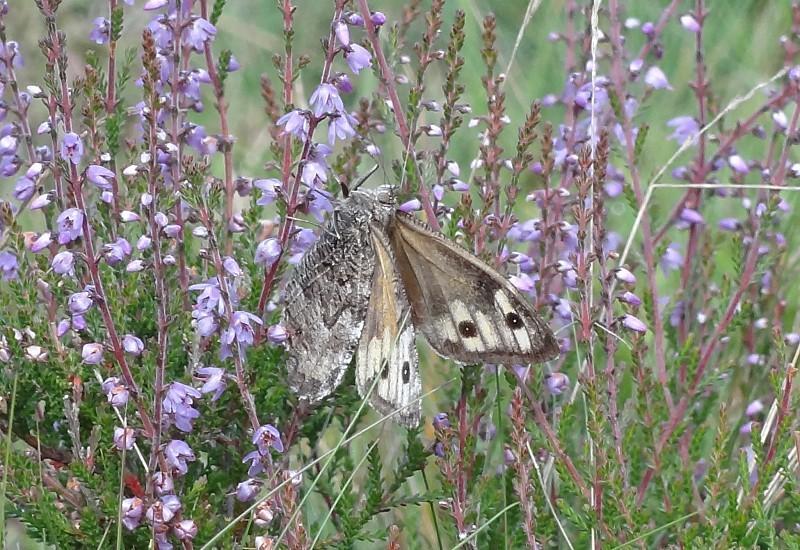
<point x="135" y="266"/>
<point x="325" y="99"/>
<point x="8" y="144"/>
<point x="41" y="201"/>
<point x="127" y="216"/>
<point x="116" y="392"/>
<point x="143" y="243"/>
<point x="186" y="529"/>
<point x="72" y="148"/>
<point x="132" y="344"/>
<point x="342" y="32"/>
<point x="172" y="230"/>
<point x="268" y="436"/>
<point x="63" y="263"/>
<point x="277" y="334"/>
<point x="124" y="438"/>
<point x="630" y="298"/>
<point x="256" y="466"/>
<point x="296" y="123"/>
<point x="268" y="252"/>
<point x="556" y="383"/>
<point x="377" y="18"/>
<point x="792" y="339"/>
<point x="213" y="379"/>
<point x="633" y="323"/>
<point x="754" y="408"/>
<point x="672" y="259"/>
<point x="80" y="302"/>
<point x="613" y="188"/>
<point x="163" y="483"/>
<point x="241" y="329"/>
<point x="154" y="4"/>
<point x="780" y="119"/>
<point x="316" y="167"/>
<point x="24" y="188"/>
<point x="163" y="510"/>
<point x="441" y="421"/>
<point x="625" y="276"/>
<point x="648" y="28"/>
<point x="117" y="251"/>
<point x="730" y="224"/>
<point x="355" y="19"/>
<point x="41" y="242"/>
<point x="357" y="58"/>
<point x="340" y="126"/>
<point x="246" y="490"/>
<point x="132" y="510"/>
<point x="656" y="79"/>
<point x="178" y="453"/>
<point x="524" y="282"/>
<point x="92" y="353"/>
<point x="198" y="33"/>
<point x="8" y="265"/>
<point x="410" y="206"/>
<point x="178" y="405"/>
<point x="78" y="323"/>
<point x="270" y="190"/>
<point x="70" y="225"/>
<point x="738" y="164"/>
<point x="685" y="127"/>
<point x="692" y="217"/>
<point x="342" y="83"/>
<point x="318" y="204"/>
<point x="231" y="267"/>
<point x="689" y="23"/>
<point x="99" y="175"/>
<point x="62" y="327"/>
<point x="101" y="31"/>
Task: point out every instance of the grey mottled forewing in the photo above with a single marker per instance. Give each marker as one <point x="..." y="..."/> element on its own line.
<point x="465" y="309"/>
<point x="388" y="350"/>
<point x="326" y="302"/>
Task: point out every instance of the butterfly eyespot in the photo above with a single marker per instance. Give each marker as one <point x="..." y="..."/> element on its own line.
<point x="467" y="329"/>
<point x="385" y="369"/>
<point x="406" y="372"/>
<point x="513" y="320"/>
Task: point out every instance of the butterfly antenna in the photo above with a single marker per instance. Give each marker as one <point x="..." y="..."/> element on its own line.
<point x="365" y="177"/>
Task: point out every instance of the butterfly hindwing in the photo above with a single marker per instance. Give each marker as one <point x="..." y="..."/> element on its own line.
<point x="326" y="302"/>
<point x="465" y="309"/>
<point x="387" y="350"/>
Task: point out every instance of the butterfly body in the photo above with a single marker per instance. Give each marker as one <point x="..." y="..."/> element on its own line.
<point x="375" y="277"/>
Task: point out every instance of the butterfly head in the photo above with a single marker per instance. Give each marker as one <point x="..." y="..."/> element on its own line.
<point x="386" y="195"/>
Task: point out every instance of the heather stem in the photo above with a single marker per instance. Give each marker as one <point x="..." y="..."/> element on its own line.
<point x="293" y="192"/>
<point x="387" y="77"/>
<point x="647" y="241"/>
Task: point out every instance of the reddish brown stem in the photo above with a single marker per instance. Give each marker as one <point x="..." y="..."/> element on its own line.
<point x="387" y="79"/>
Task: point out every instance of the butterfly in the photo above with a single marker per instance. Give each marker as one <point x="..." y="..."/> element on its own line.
<point x="376" y="277"/>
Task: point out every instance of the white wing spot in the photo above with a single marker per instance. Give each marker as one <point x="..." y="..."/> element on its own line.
<point x="521" y="333"/>
<point x="487" y="332"/>
<point x="461" y="314"/>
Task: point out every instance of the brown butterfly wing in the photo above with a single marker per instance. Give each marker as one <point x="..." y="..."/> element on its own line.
<point x="387" y="350"/>
<point x="465" y="309"/>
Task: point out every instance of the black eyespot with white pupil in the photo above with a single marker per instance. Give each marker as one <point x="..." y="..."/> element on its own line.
<point x="385" y="369"/>
<point x="513" y="320"/>
<point x="406" y="372"/>
<point x="467" y="329"/>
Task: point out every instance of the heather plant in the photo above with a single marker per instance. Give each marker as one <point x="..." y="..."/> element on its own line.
<point x="153" y="206"/>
